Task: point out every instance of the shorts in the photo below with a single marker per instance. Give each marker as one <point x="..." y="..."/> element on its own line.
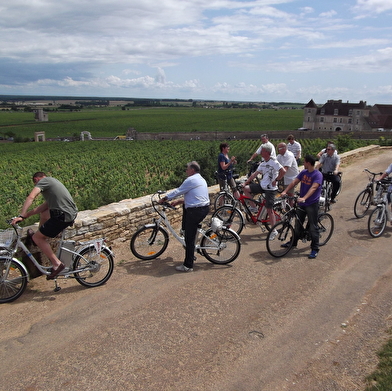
<point x="269" y="195"/>
<point x="56" y="224"/>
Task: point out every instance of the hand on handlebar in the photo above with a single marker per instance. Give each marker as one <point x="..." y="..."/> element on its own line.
<point x="15" y="220"/>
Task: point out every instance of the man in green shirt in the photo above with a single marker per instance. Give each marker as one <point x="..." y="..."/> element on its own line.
<point x="56" y="213"/>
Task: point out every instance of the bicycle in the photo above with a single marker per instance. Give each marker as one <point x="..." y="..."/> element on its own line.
<point x="326" y="192"/>
<point x="225" y="195"/>
<point x="218" y="244"/>
<point x="381" y="214"/>
<point x="90" y="263"/>
<point x="371" y="195"/>
<point x="284" y="240"/>
<point x="233" y="218"/>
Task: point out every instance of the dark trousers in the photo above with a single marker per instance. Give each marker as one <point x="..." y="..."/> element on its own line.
<point x="312" y="212"/>
<point x="191" y="218"/>
<point x="335" y="180"/>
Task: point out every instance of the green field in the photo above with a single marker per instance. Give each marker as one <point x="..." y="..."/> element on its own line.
<point x="113" y="122"/>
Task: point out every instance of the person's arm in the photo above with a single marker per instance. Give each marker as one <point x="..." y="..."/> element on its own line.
<point x="312" y="189"/>
<point x="225" y="166"/>
<point x="281" y="173"/>
<point x="25" y="213"/>
<point x="290" y="186"/>
<point x="252" y="157"/>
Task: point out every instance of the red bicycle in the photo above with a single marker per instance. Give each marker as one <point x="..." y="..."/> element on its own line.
<point x="233" y="218"/>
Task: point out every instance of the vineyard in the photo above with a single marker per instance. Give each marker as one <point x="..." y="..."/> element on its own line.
<point x="110" y="123"/>
<point x="101" y="172"/>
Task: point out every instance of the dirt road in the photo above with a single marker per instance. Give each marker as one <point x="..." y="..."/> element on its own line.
<point x="257" y="324"/>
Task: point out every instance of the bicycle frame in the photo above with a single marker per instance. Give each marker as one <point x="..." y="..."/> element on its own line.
<point x="164" y="222"/>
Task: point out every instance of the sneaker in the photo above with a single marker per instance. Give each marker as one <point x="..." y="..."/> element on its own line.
<point x="273" y="234"/>
<point x="333" y="201"/>
<point x="183" y="268"/>
<point x="313" y="254"/>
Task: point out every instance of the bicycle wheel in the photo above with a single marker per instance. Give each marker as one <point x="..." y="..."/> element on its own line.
<point x="283" y="241"/>
<point x="362" y="203"/>
<point x="220" y="247"/>
<point x="223" y="198"/>
<point x="149" y="242"/>
<point x="325" y="228"/>
<point x="377" y="221"/>
<point x="232" y="218"/>
<point x="98" y="267"/>
<point x="13" y="280"/>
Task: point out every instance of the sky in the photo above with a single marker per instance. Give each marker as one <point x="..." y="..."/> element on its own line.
<point x="231" y="50"/>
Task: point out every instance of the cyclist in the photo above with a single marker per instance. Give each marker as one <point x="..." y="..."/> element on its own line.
<point x="309" y="194"/>
<point x="272" y="172"/>
<point x="386" y="174"/>
<point x="196" y="207"/>
<point x="329" y="163"/>
<point x="264" y="140"/>
<point x="56" y="213"/>
<point x="287" y="159"/>
<point x="225" y="169"/>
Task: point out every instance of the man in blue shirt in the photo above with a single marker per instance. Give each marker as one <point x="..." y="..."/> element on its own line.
<point x="196" y="207"/>
<point x="308" y="201"/>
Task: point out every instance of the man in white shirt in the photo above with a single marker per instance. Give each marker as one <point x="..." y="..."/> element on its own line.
<point x="294" y="147"/>
<point x="265" y="141"/>
<point x="196" y="207"/>
<point x="288" y="161"/>
<point x="272" y="172"/>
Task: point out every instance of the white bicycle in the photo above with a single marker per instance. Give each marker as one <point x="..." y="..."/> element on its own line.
<point x="217" y="243"/>
<point x="90" y="263"/>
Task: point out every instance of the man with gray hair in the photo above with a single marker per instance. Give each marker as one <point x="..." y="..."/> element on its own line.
<point x="265" y="141"/>
<point x="272" y="172"/>
<point x="329" y="163"/>
<point x="196" y="205"/>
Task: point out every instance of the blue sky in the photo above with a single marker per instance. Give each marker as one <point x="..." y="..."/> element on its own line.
<point x="261" y="50"/>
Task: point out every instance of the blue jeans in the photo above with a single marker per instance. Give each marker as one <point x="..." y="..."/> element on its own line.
<point x="312" y="212"/>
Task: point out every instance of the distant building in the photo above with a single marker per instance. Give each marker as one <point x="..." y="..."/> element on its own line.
<point x="40" y="115"/>
<point x="336" y="116"/>
<point x="347" y="117"/>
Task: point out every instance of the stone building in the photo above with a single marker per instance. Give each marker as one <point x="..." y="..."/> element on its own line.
<point x="336" y="116"/>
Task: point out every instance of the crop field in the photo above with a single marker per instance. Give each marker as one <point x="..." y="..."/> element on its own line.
<point x="101" y="172"/>
<point x="111" y="123"/>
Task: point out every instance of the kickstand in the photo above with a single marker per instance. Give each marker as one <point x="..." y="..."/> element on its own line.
<point x="56" y="286"/>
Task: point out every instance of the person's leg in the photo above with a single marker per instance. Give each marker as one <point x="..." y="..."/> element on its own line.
<point x="312" y="213"/>
<point x="335" y="185"/>
<point x="194" y="216"/>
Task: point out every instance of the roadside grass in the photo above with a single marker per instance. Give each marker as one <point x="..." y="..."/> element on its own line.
<point x="381" y="378"/>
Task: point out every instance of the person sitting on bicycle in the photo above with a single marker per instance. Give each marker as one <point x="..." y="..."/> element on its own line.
<point x="329" y="163"/>
<point x="287" y="159"/>
<point x="386" y="174"/>
<point x="196" y="203"/>
<point x="272" y="172"/>
<point x="264" y="140"/>
<point x="56" y="213"/>
<point x="309" y="194"/>
<point x="225" y="169"/>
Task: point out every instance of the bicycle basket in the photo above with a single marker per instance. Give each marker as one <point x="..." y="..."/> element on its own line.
<point x="216" y="224"/>
<point x="7" y="237"/>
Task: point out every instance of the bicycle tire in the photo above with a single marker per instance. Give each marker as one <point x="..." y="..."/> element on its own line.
<point x="362" y="203"/>
<point x="149" y="242"/>
<point x="325" y="226"/>
<point x="223" y="198"/>
<point x="285" y="237"/>
<point x="14" y="284"/>
<point x="221" y="247"/>
<point x="99" y="266"/>
<point x="232" y="218"/>
<point x="377" y="221"/>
